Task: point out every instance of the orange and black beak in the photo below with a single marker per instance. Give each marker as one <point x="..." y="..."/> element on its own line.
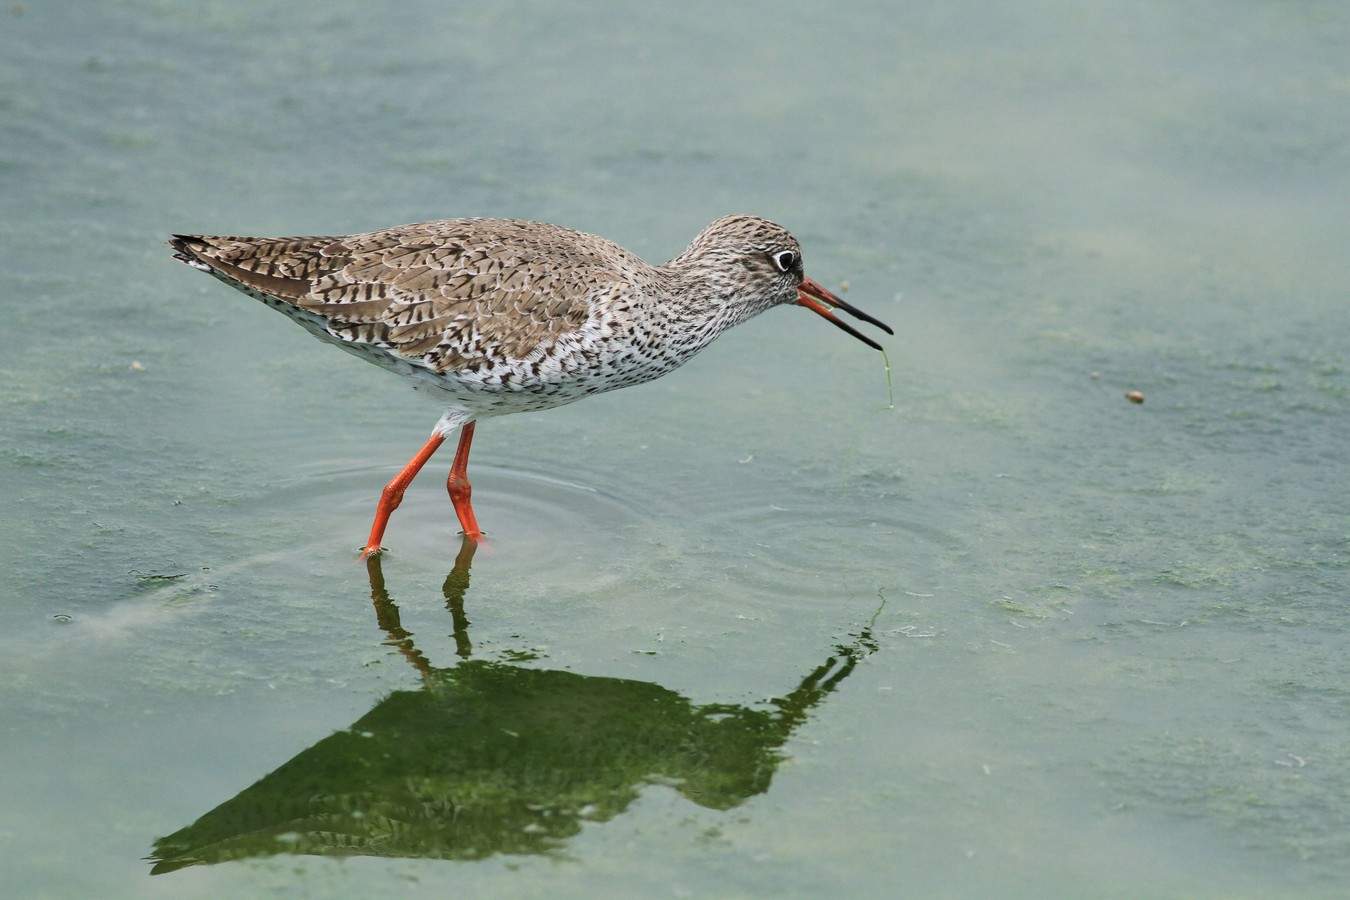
<point x="822" y="302"/>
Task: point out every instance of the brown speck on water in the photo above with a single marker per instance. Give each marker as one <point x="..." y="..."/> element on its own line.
<point x="1134" y="396"/>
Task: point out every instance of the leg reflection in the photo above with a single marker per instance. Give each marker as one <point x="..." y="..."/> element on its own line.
<point x="455" y="587"/>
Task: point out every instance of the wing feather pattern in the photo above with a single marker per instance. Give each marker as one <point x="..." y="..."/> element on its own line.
<point x="451" y="294"/>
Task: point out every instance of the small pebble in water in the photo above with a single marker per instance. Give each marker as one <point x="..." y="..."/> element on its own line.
<point x="1134" y="396"/>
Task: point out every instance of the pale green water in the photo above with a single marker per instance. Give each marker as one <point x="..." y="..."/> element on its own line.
<point x="1111" y="652"/>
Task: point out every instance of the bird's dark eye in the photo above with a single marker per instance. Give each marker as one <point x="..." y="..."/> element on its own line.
<point x="785" y="260"/>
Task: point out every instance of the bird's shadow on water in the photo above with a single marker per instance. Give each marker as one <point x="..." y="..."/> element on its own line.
<point x="489" y="757"/>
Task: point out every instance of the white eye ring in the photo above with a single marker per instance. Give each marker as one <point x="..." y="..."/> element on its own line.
<point x="784" y="260"/>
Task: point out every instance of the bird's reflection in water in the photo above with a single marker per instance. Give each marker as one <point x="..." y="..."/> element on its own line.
<point x="489" y="757"/>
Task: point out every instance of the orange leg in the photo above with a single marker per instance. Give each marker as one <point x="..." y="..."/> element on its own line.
<point x="460" y="489"/>
<point x="392" y="495"/>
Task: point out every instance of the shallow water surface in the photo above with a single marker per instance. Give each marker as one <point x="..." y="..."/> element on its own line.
<point x="750" y="630"/>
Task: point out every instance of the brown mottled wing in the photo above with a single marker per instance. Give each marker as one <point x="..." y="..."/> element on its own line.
<point x="451" y="294"/>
